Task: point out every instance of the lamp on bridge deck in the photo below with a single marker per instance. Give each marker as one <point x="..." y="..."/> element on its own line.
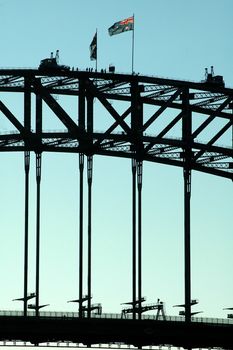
<point x="229" y="315"/>
<point x="34" y="307"/>
<point x="84" y="298"/>
<point x="192" y="303"/>
<point x="29" y="296"/>
<point x="85" y="308"/>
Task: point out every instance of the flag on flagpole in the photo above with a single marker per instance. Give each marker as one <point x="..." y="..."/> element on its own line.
<point x="122" y="26"/>
<point x="93" y="48"/>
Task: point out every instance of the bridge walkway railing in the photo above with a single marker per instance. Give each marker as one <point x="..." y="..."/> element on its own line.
<point x="66" y="314"/>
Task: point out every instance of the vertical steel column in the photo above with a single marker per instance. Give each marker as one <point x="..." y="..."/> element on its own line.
<point x="38" y="116"/>
<point x="137" y="132"/>
<point x="134" y="253"/>
<point x="26" y="166"/>
<point x="187" y="244"/>
<point x="187" y="138"/>
<point x="81" y="167"/>
<point x="27" y="125"/>
<point x="139" y="178"/>
<point x="89" y="180"/>
<point x="38" y="182"/>
<point x="81" y="122"/>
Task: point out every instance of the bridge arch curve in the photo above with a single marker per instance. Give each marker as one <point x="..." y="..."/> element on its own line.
<point x="149" y="118"/>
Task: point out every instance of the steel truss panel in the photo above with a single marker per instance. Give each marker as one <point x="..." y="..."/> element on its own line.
<point x="131" y="134"/>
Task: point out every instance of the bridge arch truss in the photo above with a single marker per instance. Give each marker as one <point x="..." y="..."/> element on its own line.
<point x="187" y="121"/>
<point x="171" y="122"/>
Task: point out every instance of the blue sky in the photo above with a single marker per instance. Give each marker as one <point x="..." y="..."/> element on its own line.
<point x="175" y="39"/>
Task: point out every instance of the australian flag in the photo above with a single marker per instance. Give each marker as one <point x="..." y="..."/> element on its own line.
<point x="121" y="26"/>
<point x="93" y="48"/>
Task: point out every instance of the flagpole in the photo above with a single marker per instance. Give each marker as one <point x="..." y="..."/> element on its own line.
<point x="133" y="46"/>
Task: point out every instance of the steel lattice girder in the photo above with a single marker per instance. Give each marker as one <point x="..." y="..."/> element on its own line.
<point x="135" y="139"/>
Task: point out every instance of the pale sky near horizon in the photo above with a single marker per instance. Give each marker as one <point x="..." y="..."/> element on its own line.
<point x="175" y="39"/>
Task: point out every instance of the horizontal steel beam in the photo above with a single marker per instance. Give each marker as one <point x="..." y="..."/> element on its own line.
<point x="101" y="330"/>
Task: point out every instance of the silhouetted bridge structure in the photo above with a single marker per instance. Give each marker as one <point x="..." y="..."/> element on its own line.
<point x="64" y="327"/>
<point x="187" y="109"/>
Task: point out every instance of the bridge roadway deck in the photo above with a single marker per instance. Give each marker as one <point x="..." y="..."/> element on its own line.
<point x="110" y="328"/>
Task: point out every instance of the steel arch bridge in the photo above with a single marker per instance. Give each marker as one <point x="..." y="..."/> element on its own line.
<point x="165" y="121"/>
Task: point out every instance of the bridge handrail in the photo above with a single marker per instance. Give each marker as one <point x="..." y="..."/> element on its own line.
<point x="68" y="314"/>
<point x="105" y="70"/>
<point x="12" y="132"/>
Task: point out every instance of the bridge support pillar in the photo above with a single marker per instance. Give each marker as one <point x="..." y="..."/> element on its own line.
<point x="139" y="180"/>
<point x="81" y="123"/>
<point x="27" y="125"/>
<point x="26" y="166"/>
<point x="137" y="239"/>
<point x="187" y="137"/>
<point x="187" y="244"/>
<point x="38" y="182"/>
<point x="89" y="120"/>
<point x="134" y="254"/>
<point x="81" y="167"/>
<point x="89" y="179"/>
<point x="137" y="132"/>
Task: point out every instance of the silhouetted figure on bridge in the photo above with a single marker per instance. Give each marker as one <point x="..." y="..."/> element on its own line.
<point x="159" y="306"/>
